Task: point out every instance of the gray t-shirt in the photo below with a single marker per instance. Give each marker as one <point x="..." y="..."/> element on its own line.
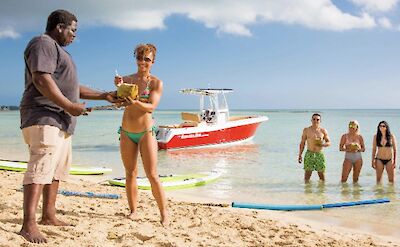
<point x="43" y="54"/>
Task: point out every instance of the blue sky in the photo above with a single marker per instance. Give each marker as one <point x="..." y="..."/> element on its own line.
<point x="275" y="54"/>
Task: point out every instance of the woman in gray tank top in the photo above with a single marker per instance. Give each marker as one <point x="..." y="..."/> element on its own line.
<point x="352" y="143"/>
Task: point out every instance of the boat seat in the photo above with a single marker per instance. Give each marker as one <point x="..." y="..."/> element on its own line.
<point x="171" y="126"/>
<point x="191" y="117"/>
<point x="188" y="124"/>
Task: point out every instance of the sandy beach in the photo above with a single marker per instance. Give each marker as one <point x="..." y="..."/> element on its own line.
<point x="102" y="222"/>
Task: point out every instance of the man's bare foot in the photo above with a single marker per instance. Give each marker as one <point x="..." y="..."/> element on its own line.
<point x="53" y="222"/>
<point x="31" y="233"/>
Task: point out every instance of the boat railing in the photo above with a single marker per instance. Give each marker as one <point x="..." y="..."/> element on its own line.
<point x="236" y="118"/>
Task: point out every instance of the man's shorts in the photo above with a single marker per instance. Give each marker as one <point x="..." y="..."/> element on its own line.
<point x="49" y="154"/>
<point x="314" y="161"/>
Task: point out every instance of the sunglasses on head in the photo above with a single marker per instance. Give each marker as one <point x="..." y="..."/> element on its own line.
<point x="142" y="58"/>
<point x="353" y="126"/>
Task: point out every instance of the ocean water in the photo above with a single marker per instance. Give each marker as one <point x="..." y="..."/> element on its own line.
<point x="264" y="170"/>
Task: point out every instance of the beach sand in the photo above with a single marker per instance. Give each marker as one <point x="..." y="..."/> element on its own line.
<point x="102" y="222"/>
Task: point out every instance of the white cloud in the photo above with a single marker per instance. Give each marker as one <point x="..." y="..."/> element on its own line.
<point x="376" y="5"/>
<point x="8" y="33"/>
<point x="385" y="23"/>
<point x="226" y="16"/>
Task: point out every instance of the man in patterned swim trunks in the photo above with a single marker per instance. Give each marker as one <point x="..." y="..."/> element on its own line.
<point x="317" y="138"/>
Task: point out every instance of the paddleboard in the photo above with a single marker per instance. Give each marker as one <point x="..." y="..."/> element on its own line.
<point x="20" y="166"/>
<point x="172" y="182"/>
<point x="307" y="207"/>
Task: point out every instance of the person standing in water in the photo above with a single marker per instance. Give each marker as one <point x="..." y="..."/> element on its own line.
<point x="316" y="138"/>
<point x="137" y="133"/>
<point x="353" y="144"/>
<point x="384" y="152"/>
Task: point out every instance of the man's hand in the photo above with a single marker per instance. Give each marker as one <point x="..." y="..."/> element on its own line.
<point x="112" y="97"/>
<point x="300" y="159"/>
<point x="76" y="109"/>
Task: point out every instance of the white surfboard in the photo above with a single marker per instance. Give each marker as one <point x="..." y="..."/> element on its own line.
<point x="20" y="166"/>
<point x="172" y="182"/>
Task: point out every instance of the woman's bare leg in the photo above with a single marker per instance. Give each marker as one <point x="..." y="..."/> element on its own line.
<point x="148" y="150"/>
<point x="379" y="171"/>
<point x="357" y="170"/>
<point x="347" y="166"/>
<point x="390" y="171"/>
<point x="129" y="155"/>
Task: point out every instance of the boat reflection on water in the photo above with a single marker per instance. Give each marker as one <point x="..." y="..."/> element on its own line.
<point x="233" y="152"/>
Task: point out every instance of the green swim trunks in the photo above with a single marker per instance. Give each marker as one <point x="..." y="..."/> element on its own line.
<point x="314" y="161"/>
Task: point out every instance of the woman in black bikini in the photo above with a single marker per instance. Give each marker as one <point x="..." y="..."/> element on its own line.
<point x="384" y="152"/>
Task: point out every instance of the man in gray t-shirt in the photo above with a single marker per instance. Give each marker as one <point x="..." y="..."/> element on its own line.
<point x="48" y="109"/>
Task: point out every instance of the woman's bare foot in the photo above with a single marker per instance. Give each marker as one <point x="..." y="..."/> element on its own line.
<point x="164" y="219"/>
<point x="53" y="222"/>
<point x="31" y="233"/>
<point x="132" y="215"/>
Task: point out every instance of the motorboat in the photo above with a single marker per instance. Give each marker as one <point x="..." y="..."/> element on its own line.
<point x="212" y="125"/>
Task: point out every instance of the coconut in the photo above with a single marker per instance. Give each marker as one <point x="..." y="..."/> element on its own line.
<point x="126" y="90"/>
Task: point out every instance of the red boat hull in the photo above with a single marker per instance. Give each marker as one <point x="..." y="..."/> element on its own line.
<point x="220" y="136"/>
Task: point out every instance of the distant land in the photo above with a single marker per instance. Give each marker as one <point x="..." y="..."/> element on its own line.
<point x="9" y="107"/>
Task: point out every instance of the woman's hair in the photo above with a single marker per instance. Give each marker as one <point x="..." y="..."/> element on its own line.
<point x="144" y="49"/>
<point x="59" y="16"/>
<point x="355" y="122"/>
<point x="379" y="135"/>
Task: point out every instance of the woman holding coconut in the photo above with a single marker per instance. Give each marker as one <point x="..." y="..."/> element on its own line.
<point x="137" y="130"/>
<point x="352" y="143"/>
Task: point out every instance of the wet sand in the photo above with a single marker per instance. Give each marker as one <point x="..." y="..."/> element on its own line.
<point x="102" y="222"/>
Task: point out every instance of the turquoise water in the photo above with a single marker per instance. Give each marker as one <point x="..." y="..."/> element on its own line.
<point x="264" y="170"/>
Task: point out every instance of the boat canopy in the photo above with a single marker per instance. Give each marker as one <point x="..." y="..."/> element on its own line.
<point x="205" y="91"/>
<point x="216" y="109"/>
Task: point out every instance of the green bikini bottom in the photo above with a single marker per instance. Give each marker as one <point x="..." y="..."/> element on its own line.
<point x="135" y="137"/>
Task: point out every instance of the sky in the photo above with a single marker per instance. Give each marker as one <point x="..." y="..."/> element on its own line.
<point x="274" y="54"/>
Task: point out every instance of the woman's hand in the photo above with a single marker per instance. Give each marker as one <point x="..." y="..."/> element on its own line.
<point x="374" y="163"/>
<point x="353" y="147"/>
<point x="118" y="80"/>
<point x="123" y="103"/>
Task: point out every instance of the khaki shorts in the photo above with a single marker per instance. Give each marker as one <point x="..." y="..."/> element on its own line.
<point x="49" y="154"/>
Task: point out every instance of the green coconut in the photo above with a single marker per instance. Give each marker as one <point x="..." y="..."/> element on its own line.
<point x="126" y="90"/>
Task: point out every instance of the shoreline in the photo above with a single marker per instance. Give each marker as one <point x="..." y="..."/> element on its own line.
<point x="312" y="218"/>
<point x="102" y="222"/>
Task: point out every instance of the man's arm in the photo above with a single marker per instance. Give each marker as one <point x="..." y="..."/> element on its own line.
<point x="48" y="88"/>
<point x="302" y="144"/>
<point x="88" y="93"/>
<point x="327" y="140"/>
